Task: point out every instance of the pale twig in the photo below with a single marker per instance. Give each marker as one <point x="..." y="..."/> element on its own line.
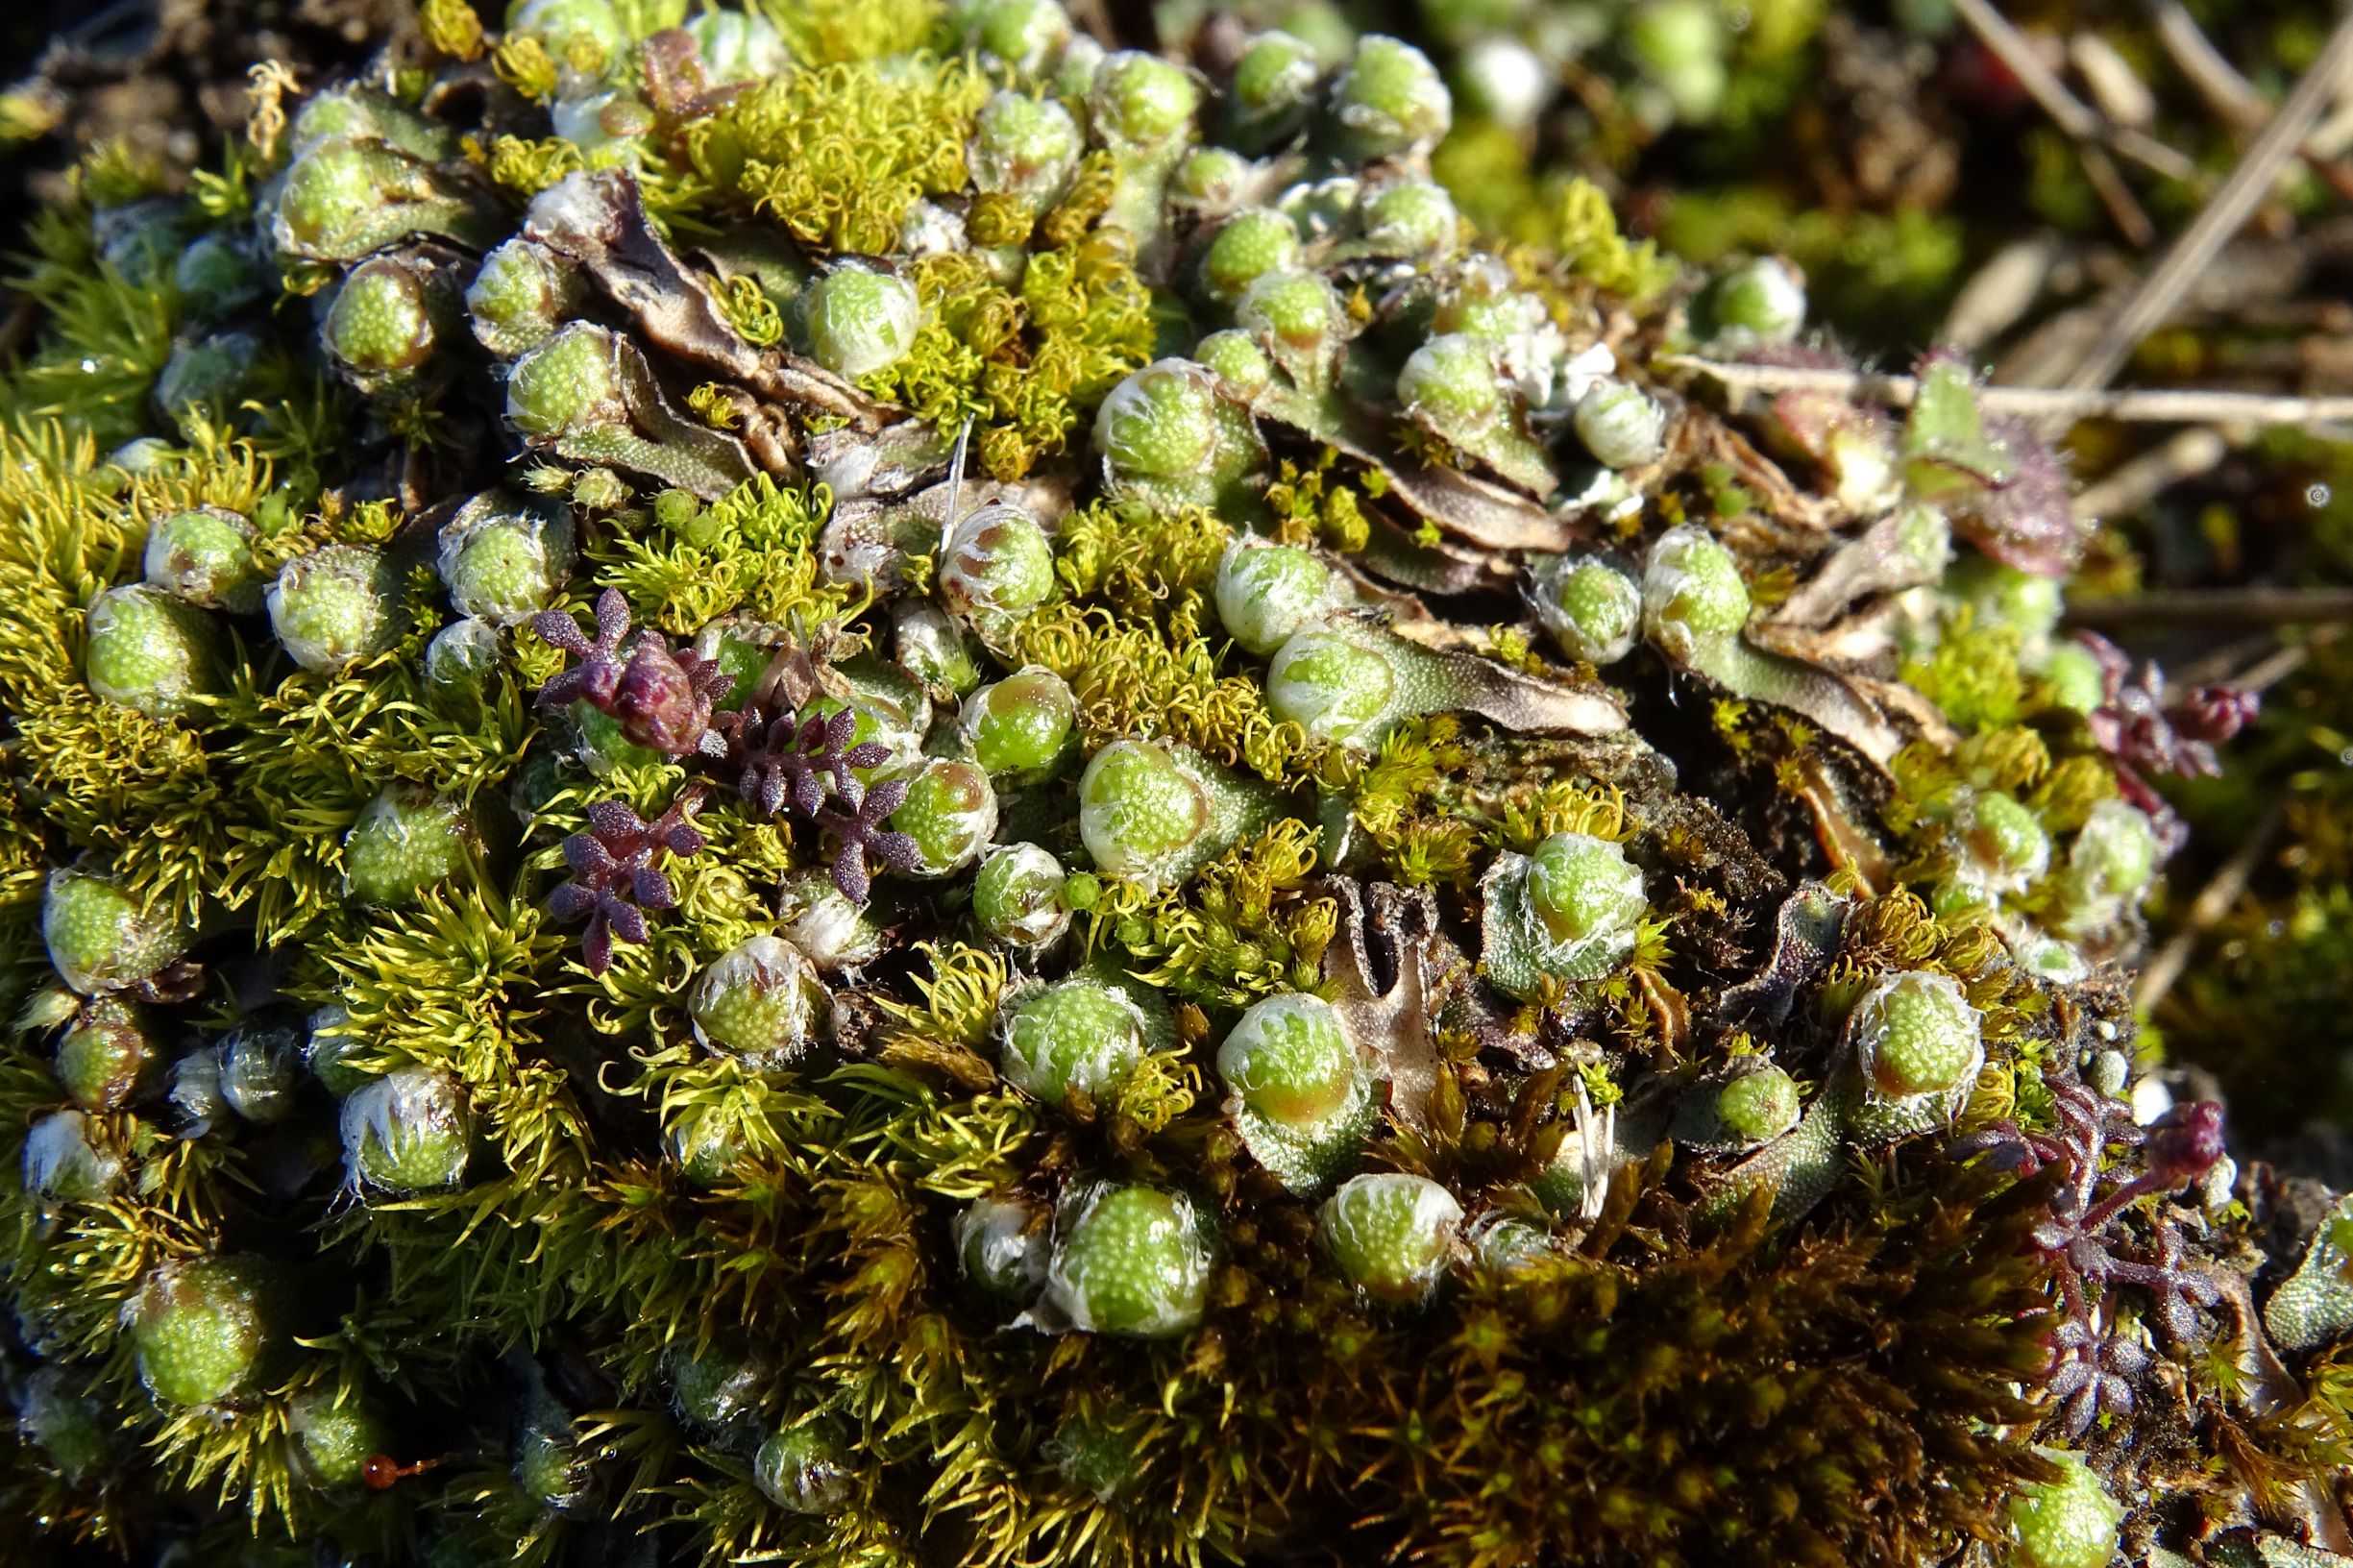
<point x="2070" y="114"/>
<point x="2140" y="480"/>
<point x="2213" y="902"/>
<point x="2251" y="605"/>
<point x="2230" y="94"/>
<point x="2158" y="406"/>
<point x="2224" y="213"/>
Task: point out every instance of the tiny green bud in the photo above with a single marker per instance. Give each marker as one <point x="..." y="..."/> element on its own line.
<point x="569" y="385"/>
<point x="68" y="1426"/>
<point x="260" y="1071"/>
<point x="460" y="661"/>
<point x="1331" y="686"/>
<point x="719" y="1385"/>
<point x="933" y="649"/>
<point x="195" y="1092"/>
<point x="1002" y="1245"/>
<point x="2006" y="842"/>
<point x="1234" y="358"/>
<point x="386" y="323"/>
<point x="1389" y="101"/>
<point x="803" y="1471"/>
<point x="1142" y="101"/>
<point x="1246" y="247"/>
<point x="2110" y="863"/>
<point x="1692" y="590"/>
<point x="1450" y="384"/>
<point x="1160" y="423"/>
<point x="549" y="1468"/>
<point x="146" y="651"/>
<point x="1391" y="1235"/>
<point x="208" y="373"/>
<point x="1582" y="887"/>
<point x="830" y="930"/>
<point x="1918" y="1038"/>
<point x="403" y="844"/>
<point x="204" y="557"/>
<point x="1026" y="35"/>
<point x="1289" y="1061"/>
<point x="1755" y="303"/>
<point x="1131" y="1263"/>
<point x="1140" y="810"/>
<point x="105" y="1056"/>
<point x="998" y="560"/>
<point x="519" y="295"/>
<point x="1272" y="85"/>
<point x="1572" y="911"/>
<point x="1267" y="593"/>
<point x="505" y="558"/>
<point x="334" y="1437"/>
<point x="1622" y="425"/>
<point x="408" y="1131"/>
<point x="1506" y="1247"/>
<point x="1759" y="1105"/>
<point x="2071" y="1522"/>
<point x="2076" y="681"/>
<point x="335" y="197"/>
<point x="861" y="321"/>
<point x="1211" y="177"/>
<point x="1300" y="319"/>
<point x="335" y="607"/>
<point x="63" y="1161"/>
<point x="1025" y="727"/>
<point x="1593" y="610"/>
<point x="1410" y="218"/>
<point x="198" y="1330"/>
<point x="761" y="1001"/>
<point x="98" y="936"/>
<point x="1018" y="896"/>
<point x="1025" y="146"/>
<point x="1071" y="1035"/>
<point x="950" y="812"/>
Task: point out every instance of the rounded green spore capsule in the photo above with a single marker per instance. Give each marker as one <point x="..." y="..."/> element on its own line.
<point x="1141" y="811"/>
<point x="67" y="1427"/>
<point x="519" y="295"/>
<point x="569" y="385"/>
<point x="720" y="1385"/>
<point x="2006" y="840"/>
<point x="1026" y="35"/>
<point x="950" y="812"/>
<point x="1389" y="101"/>
<point x="105" y="1055"/>
<point x="1916" y="1036"/>
<point x="1071" y="1035"/>
<point x="803" y="1471"/>
<point x="931" y="648"/>
<point x="1273" y="82"/>
<point x="333" y="193"/>
<point x="2110" y="863"/>
<point x="198" y="1330"/>
<point x="1247" y="247"/>
<point x="1132" y="1264"/>
<point x="333" y="607"/>
<point x="861" y="321"/>
<point x="64" y="1161"/>
<point x="1142" y="101"/>
<point x="1692" y="590"/>
<point x="1210" y="177"/>
<point x="98" y="936"/>
<point x="335" y="1437"/>
<point x="460" y="662"/>
<point x="1583" y="887"/>
<point x="204" y="557"/>
<point x="1410" y="218"/>
<point x="1289" y="1059"/>
<point x="1024" y="727"/>
<point x="1236" y="359"/>
<point x="761" y="1000"/>
<point x="1622" y="426"/>
<point x="146" y="651"/>
<point x="1450" y="384"/>
<point x="1759" y="1105"/>
<point x="2071" y="1522"/>
<point x="1331" y="687"/>
<point x="504" y="560"/>
<point x="1591" y="608"/>
<point x="327" y="1050"/>
<point x="408" y="1131"/>
<point x="383" y="327"/>
<point x="260" y="1067"/>
<point x="1025" y="146"/>
<point x="999" y="560"/>
<point x="2075" y="679"/>
<point x="1002" y="1245"/>
<point x="1018" y="896"/>
<point x="1159" y="423"/>
<point x="1754" y="303"/>
<point x="1267" y="593"/>
<point x="403" y="844"/>
<point x="1391" y="1235"/>
<point x="1297" y="315"/>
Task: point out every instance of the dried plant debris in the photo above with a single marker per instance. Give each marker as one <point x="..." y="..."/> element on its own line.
<point x="849" y="784"/>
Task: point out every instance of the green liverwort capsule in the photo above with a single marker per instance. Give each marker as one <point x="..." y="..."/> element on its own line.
<point x="1333" y="687"/>
<point x="1025" y="146"/>
<point x="2109" y="866"/>
<point x="1391" y="1235"/>
<point x="197" y="1327"/>
<point x="1159" y="425"/>
<point x="2007" y="847"/>
<point x="460" y="662"/>
<point x="830" y="930"/>
<point x="2071" y="1522"/>
<point x="801" y="1471"/>
<point x="1071" y="1035"/>
<point x="1267" y="593"/>
<point x="933" y="649"/>
<point x="1583" y="887"/>
<point x="503" y="557"/>
<point x="1755" y="303"/>
<point x="1389" y="101"/>
<point x="386" y="324"/>
<point x="1409" y="219"/>
<point x="950" y="812"/>
<point x="1210" y="178"/>
<point x="334" y="1437"/>
<point x="761" y="1001"/>
<point x="1018" y="896"/>
<point x="1622" y="425"/>
<point x="1141" y="811"/>
<point x="1300" y="319"/>
<point x="1142" y="101"/>
<point x="1132" y="1262"/>
<point x="408" y="1131"/>
<point x="1301" y="1097"/>
<point x="335" y="607"/>
<point x="67" y="1426"/>
<point x="720" y="1385"/>
<point x="738" y="46"/>
<point x="105" y="1056"/>
<point x="405" y="843"/>
<point x="1450" y="384"/>
<point x="1759" y="1105"/>
<point x="1002" y="1245"/>
<point x="1692" y="592"/>
<point x="1918" y="1041"/>
<point x="204" y="557"/>
<point x="99" y="938"/>
<point x="260" y="1071"/>
<point x="1245" y="248"/>
<point x="216" y="277"/>
<point x="861" y="321"/>
<point x="1273" y="82"/>
<point x="569" y="385"/>
<point x="64" y="1161"/>
<point x="1027" y="35"/>
<point x="1593" y="610"/>
<point x="1024" y="728"/>
<point x="2075" y="679"/>
<point x="1572" y="911"/>
<point x="146" y="651"/>
<point x="519" y="295"/>
<point x="1236" y="359"/>
<point x="998" y="561"/>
